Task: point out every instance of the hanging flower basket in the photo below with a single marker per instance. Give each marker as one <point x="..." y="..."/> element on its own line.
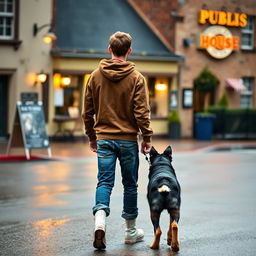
<point x="206" y="81"/>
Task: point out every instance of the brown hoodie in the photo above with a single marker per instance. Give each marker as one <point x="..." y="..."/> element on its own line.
<point x="118" y="97"/>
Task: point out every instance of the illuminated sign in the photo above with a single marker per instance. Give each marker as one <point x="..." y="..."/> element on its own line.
<point x="223" y="18"/>
<point x="218" y="42"/>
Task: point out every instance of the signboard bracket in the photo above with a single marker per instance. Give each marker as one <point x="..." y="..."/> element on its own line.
<point x="27" y="152"/>
<point x="49" y="150"/>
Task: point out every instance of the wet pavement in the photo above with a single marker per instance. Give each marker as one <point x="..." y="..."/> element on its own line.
<point x="45" y="207"/>
<point x="71" y="149"/>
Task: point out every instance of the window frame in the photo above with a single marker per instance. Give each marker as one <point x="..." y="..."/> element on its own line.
<point x="151" y="83"/>
<point x="6" y="15"/>
<point x="14" y="40"/>
<point x="246" y="31"/>
<point x="68" y="91"/>
<point x="247" y="93"/>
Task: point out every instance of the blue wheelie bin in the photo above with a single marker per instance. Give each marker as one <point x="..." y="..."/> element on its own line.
<point x="204" y="126"/>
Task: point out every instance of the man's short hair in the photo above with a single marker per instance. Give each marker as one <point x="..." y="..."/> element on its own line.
<point x="120" y="43"/>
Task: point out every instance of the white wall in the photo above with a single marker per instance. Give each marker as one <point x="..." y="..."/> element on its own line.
<point x="31" y="57"/>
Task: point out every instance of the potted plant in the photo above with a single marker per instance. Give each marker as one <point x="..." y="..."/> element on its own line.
<point x="174" y="127"/>
<point x="204" y="83"/>
<point x="223" y="101"/>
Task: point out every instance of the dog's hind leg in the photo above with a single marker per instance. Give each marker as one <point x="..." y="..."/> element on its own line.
<point x="172" y="235"/>
<point x="175" y="241"/>
<point x="169" y="233"/>
<point x="155" y="216"/>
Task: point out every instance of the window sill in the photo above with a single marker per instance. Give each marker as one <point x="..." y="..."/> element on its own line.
<point x="248" y="50"/>
<point x="15" y="43"/>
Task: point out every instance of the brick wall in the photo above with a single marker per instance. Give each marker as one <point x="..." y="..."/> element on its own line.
<point x="159" y="12"/>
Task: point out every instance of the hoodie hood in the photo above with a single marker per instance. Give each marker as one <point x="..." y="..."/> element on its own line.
<point x="116" y="71"/>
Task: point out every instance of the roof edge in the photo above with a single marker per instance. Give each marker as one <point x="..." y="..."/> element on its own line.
<point x="76" y="54"/>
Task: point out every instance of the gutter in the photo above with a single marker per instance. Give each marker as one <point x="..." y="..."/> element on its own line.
<point x="103" y="55"/>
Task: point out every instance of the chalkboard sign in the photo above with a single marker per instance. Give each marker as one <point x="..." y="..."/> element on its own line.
<point x="33" y="126"/>
<point x="29" y="124"/>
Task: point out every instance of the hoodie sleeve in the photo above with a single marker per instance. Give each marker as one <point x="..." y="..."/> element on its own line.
<point x="142" y="109"/>
<point x="88" y="111"/>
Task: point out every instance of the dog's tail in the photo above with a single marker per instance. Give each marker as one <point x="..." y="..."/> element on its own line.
<point x="164" y="189"/>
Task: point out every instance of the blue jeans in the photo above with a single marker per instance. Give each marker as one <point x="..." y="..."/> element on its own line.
<point x="127" y="153"/>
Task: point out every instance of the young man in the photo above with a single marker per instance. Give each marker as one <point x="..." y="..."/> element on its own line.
<point x="116" y="108"/>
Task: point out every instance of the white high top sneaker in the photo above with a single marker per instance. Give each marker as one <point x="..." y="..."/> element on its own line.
<point x="100" y="229"/>
<point x="132" y="234"/>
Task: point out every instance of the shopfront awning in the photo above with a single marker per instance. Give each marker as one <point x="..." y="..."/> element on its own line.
<point x="235" y="84"/>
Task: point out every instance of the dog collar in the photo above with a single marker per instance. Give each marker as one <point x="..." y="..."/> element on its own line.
<point x="161" y="164"/>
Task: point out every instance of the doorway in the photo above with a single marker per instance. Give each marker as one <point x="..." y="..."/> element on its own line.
<point x="202" y="100"/>
<point x="4" y="82"/>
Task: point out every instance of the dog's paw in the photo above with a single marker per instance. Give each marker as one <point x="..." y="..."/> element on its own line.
<point x="154" y="246"/>
<point x="169" y="241"/>
<point x="175" y="247"/>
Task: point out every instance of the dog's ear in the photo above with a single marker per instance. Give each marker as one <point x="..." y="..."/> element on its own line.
<point x="153" y="152"/>
<point x="168" y="151"/>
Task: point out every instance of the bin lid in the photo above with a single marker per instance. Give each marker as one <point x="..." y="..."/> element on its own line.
<point x="205" y="115"/>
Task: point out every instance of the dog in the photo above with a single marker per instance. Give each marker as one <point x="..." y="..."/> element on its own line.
<point x="164" y="193"/>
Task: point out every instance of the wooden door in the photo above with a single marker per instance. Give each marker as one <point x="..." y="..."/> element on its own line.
<point x="4" y="79"/>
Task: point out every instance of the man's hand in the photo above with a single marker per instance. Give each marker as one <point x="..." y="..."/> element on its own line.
<point x="145" y="147"/>
<point x="93" y="145"/>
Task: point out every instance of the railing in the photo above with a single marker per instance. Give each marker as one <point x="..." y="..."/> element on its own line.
<point x="234" y="123"/>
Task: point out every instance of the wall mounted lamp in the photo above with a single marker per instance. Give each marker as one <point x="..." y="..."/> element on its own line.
<point x="65" y="81"/>
<point x="161" y="87"/>
<point x="60" y="81"/>
<point x="40" y="78"/>
<point x="187" y="42"/>
<point x="49" y="36"/>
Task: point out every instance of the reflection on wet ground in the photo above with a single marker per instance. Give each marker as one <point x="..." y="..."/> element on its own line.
<point x="45" y="208"/>
<point x="44" y="226"/>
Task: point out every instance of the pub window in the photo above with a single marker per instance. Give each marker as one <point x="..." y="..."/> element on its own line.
<point x="246" y="96"/>
<point x="68" y="98"/>
<point x="248" y="35"/>
<point x="7" y="16"/>
<point x="158" y="96"/>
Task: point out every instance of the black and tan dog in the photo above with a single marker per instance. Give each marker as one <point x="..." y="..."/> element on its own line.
<point x="164" y="193"/>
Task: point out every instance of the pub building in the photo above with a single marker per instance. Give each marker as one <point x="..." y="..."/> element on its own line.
<point x="82" y="41"/>
<point x="221" y="36"/>
<point x="80" y="34"/>
<point x="172" y="42"/>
